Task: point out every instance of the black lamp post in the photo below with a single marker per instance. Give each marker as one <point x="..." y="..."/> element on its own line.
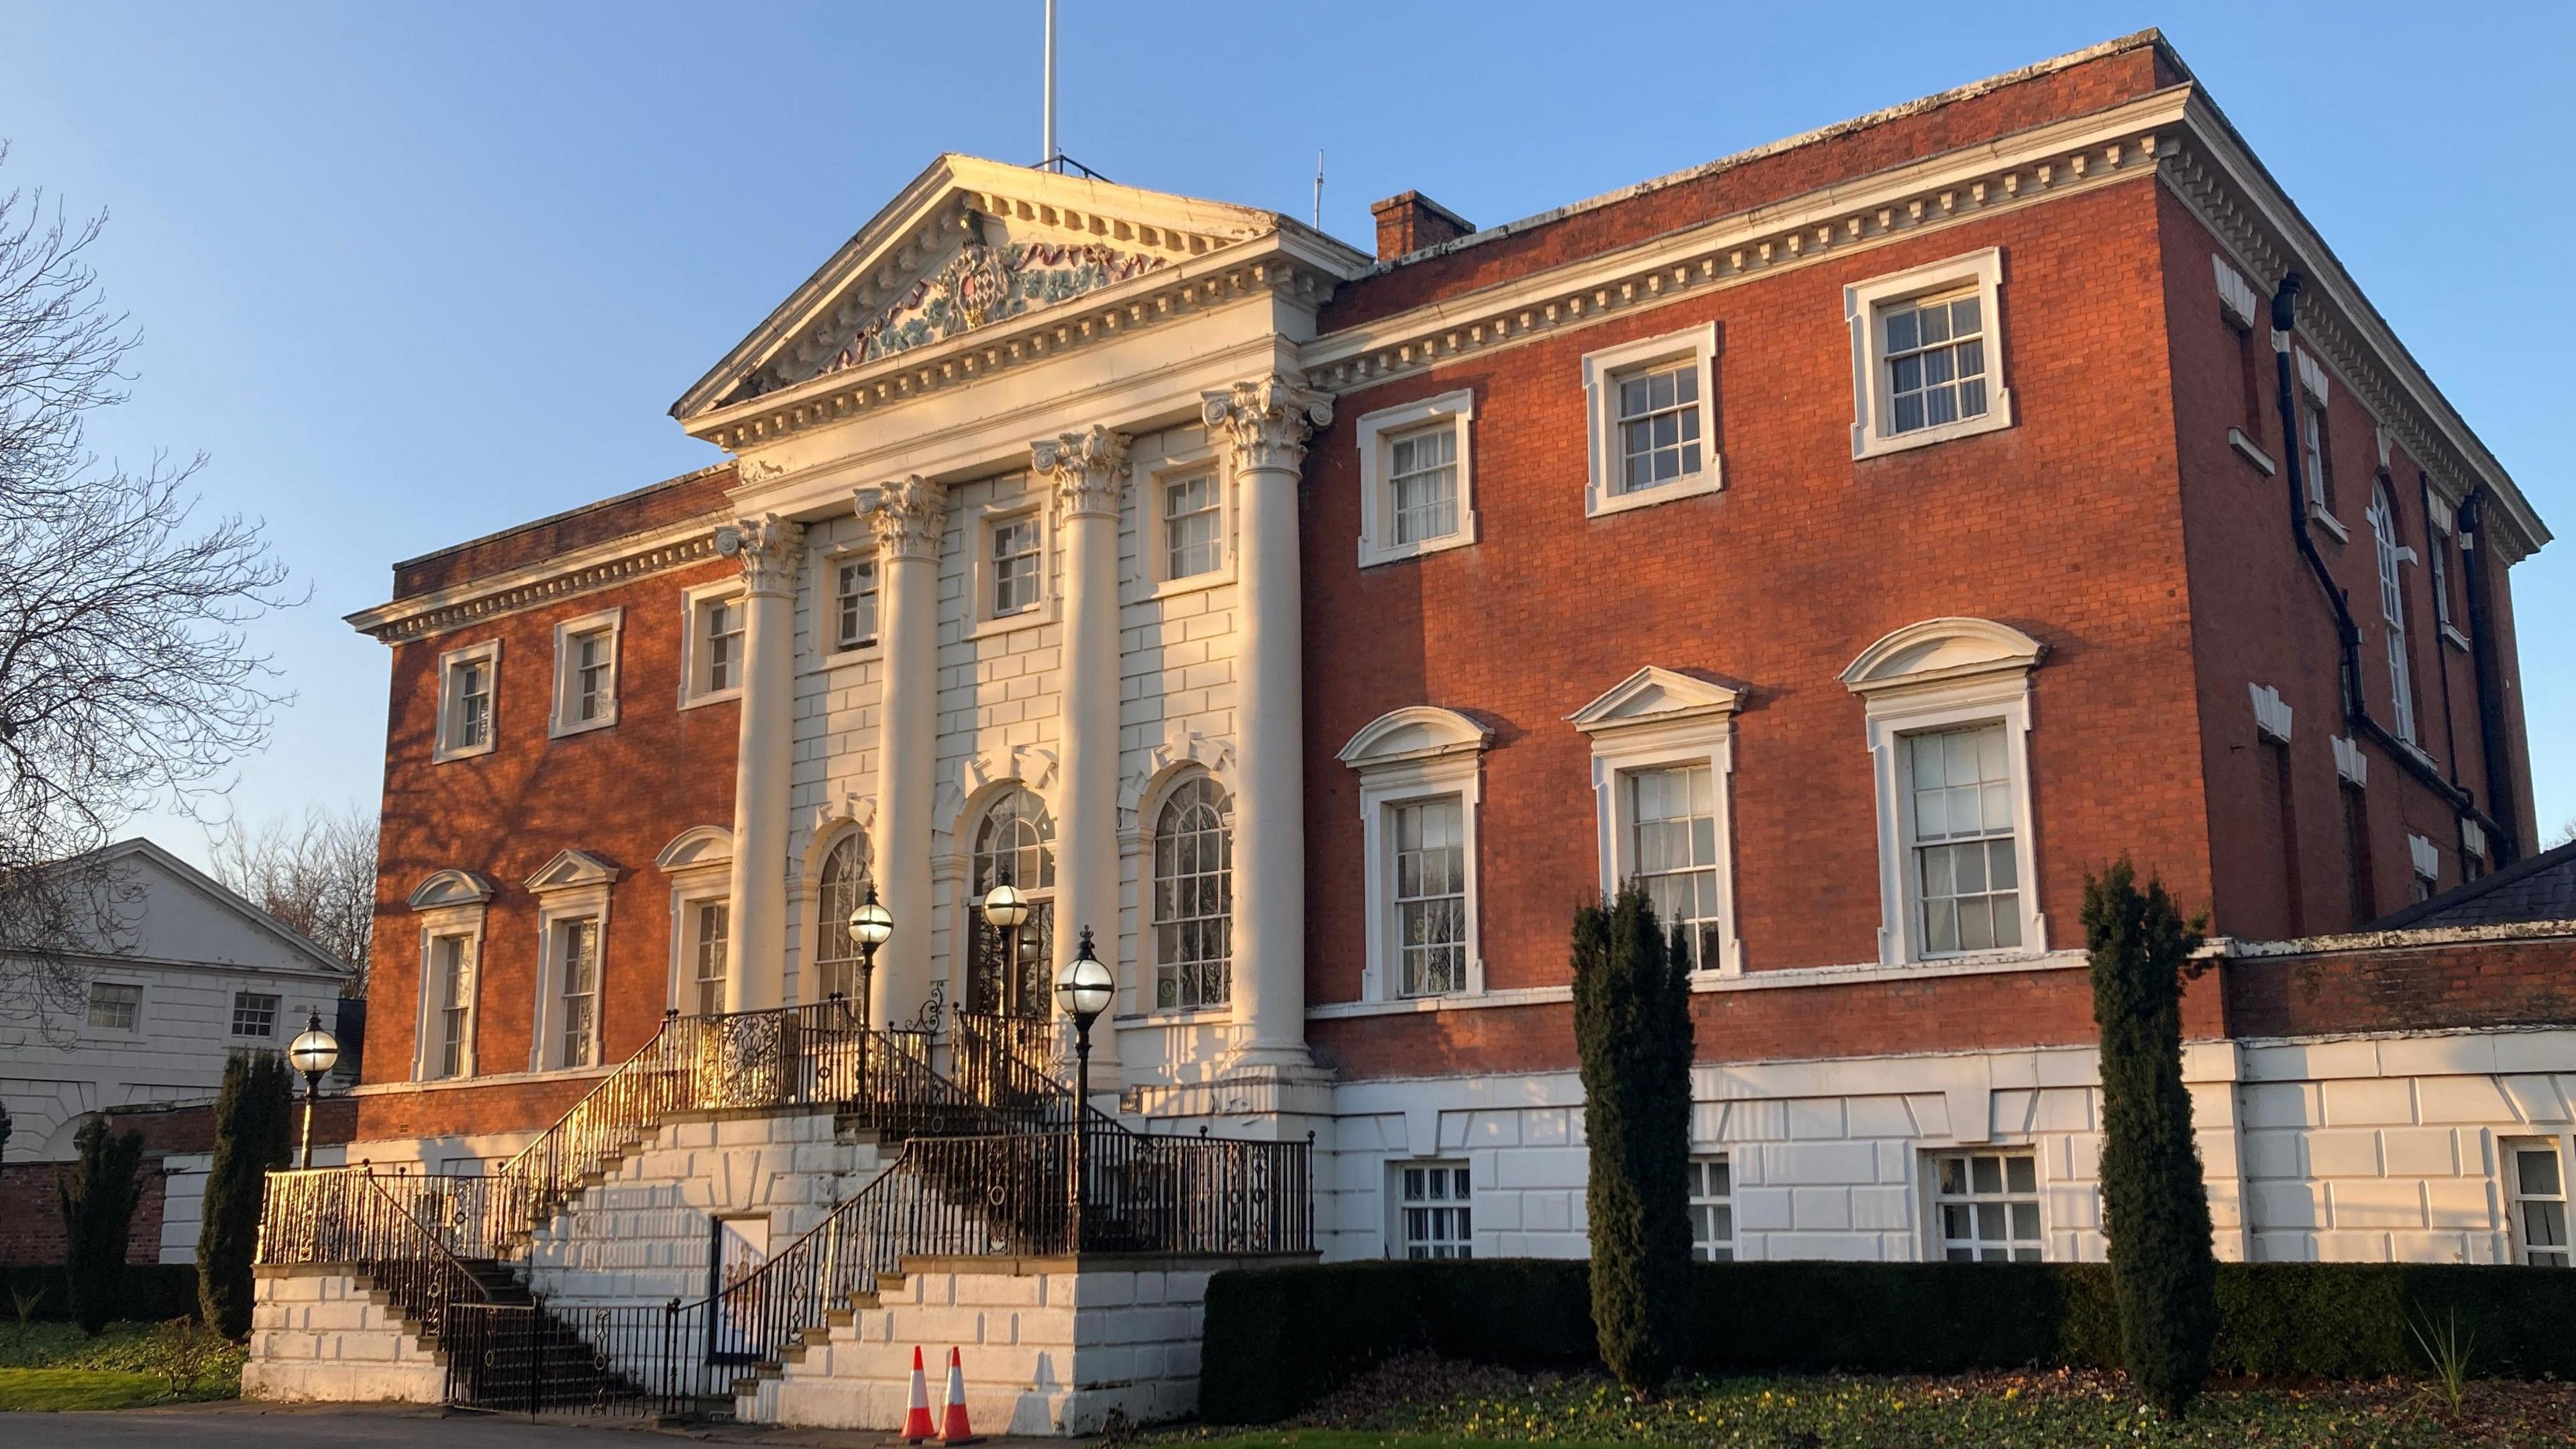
<point x="1084" y="987"/>
<point x="1007" y="910"/>
<point x="314" y="1052"/>
<point x="871" y="925"/>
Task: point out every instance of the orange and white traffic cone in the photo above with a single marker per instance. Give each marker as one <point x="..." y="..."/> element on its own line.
<point x="916" y="1420"/>
<point x="956" y="1430"/>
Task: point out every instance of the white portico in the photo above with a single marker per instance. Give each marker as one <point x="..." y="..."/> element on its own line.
<point x="1042" y="628"/>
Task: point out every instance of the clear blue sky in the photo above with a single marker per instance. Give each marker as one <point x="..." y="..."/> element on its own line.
<point x="412" y="273"/>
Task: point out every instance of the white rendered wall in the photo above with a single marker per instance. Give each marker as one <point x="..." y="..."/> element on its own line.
<point x="320" y="1336"/>
<point x="1044" y="1349"/>
<point x="641" y="1237"/>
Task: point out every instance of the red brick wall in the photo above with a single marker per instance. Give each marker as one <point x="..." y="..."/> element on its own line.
<point x="620" y="793"/>
<point x="2405" y="988"/>
<point x="672" y="501"/>
<point x="1805" y="558"/>
<point x="1848" y="153"/>
<point x="31" y="1215"/>
<point x="2261" y="618"/>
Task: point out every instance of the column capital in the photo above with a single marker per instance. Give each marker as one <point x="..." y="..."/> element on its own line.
<point x="1087" y="468"/>
<point x="906" y="516"/>
<point x="766" y="547"/>
<point x="1266" y="420"/>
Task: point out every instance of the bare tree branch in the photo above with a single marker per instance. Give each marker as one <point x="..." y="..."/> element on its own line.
<point x="126" y="672"/>
<point x="316" y="874"/>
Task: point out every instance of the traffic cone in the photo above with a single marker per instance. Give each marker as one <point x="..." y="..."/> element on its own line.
<point x="916" y="1420"/>
<point x="956" y="1430"/>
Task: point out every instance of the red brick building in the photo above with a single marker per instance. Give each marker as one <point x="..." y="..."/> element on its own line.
<point x="1858" y="539"/>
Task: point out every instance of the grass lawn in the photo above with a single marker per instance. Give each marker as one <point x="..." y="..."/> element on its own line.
<point x="1428" y="1404"/>
<point x="56" y="1366"/>
<point x="55" y="1389"/>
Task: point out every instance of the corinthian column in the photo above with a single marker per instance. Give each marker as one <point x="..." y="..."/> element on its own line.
<point x="1266" y="423"/>
<point x="767" y="547"/>
<point x="1088" y="471"/>
<point x="907" y="517"/>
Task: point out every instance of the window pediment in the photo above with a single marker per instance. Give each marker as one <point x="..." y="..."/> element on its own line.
<point x="1655" y="696"/>
<point x="1414" y="733"/>
<point x="450" y="887"/>
<point x="572" y="869"/>
<point x="696" y="848"/>
<point x="1939" y="650"/>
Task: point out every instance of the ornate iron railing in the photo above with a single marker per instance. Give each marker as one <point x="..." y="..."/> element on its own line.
<point x="1000" y="1161"/>
<point x="388" y="1230"/>
<point x="1045" y="1193"/>
<point x="1004" y="1060"/>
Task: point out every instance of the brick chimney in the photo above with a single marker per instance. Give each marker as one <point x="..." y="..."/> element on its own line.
<point x="1411" y="221"/>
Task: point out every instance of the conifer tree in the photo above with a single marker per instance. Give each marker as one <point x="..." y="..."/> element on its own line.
<point x="1632" y="1029"/>
<point x="2155" y="1205"/>
<point x="98" y="1199"/>
<point x="254" y="1121"/>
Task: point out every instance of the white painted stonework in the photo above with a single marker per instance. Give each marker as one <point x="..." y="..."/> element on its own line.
<point x="2372" y="1149"/>
<point x="322" y="1336"/>
<point x="641" y="1237"/>
<point x="1046" y="1349"/>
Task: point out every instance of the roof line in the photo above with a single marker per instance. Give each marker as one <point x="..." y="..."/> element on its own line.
<point x="2522" y="869"/>
<point x="575" y="512"/>
<point x="2149" y="36"/>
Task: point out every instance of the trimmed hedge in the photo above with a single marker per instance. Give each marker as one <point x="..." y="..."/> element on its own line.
<point x="1278" y="1339"/>
<point x="146" y="1292"/>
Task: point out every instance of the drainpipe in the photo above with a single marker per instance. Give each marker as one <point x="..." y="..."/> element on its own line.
<point x="2356" y="712"/>
<point x="2489" y="673"/>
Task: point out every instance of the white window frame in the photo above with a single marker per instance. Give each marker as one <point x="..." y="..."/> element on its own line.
<point x="451" y="903"/>
<point x="276" y="1013"/>
<point x="1935" y="675"/>
<point x="89" y="1007"/>
<point x="1151" y="578"/>
<point x="573" y="886"/>
<point x="1601" y="373"/>
<point x="2442" y="538"/>
<point x="1413" y="754"/>
<point x="1158" y="498"/>
<point x="1653" y="719"/>
<point x="568" y="636"/>
<point x="2389" y="556"/>
<point x="1377" y="435"/>
<point x="2312" y="451"/>
<point x="1706" y="1248"/>
<point x="2517" y="1241"/>
<point x="699" y="865"/>
<point x="1937" y="1241"/>
<point x="981" y="572"/>
<point x="1149" y="937"/>
<point x="828" y="611"/>
<point x="694" y="637"/>
<point x="451" y="723"/>
<point x="1399" y="1241"/>
<point x="1872" y="407"/>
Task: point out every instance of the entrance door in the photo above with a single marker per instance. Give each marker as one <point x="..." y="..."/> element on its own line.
<point x="740" y="1250"/>
<point x="1018" y="987"/>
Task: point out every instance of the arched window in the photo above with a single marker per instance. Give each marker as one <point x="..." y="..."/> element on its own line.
<point x="836" y="954"/>
<point x="1194" y="897"/>
<point x="1015" y="842"/>
<point x="2392" y="607"/>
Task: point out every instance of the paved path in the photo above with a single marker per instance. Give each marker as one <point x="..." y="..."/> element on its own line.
<point x="265" y="1426"/>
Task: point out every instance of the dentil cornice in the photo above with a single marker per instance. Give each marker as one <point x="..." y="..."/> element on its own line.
<point x="906" y="516"/>
<point x="1088" y="469"/>
<point x="767" y="547"/>
<point x="1266" y="421"/>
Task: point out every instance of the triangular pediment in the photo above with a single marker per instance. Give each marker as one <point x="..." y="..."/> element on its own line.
<point x="969" y="245"/>
<point x="1655" y="696"/>
<point x="572" y="868"/>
